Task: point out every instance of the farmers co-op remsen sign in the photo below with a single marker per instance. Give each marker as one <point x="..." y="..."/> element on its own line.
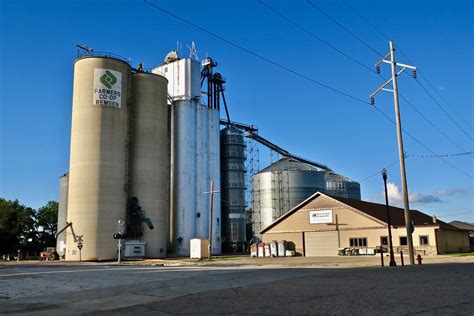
<point x="320" y="217"/>
<point x="107" y="88"/>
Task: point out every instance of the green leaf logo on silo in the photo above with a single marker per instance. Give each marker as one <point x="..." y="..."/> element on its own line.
<point x="108" y="79"/>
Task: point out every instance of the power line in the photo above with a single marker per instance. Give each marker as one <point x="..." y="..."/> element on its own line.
<point x="421" y="75"/>
<point x="344" y="28"/>
<point x="430" y="122"/>
<point x="379" y="172"/>
<point x="248" y="51"/>
<point x="436" y="91"/>
<point x="447" y="114"/>
<point x="286" y="18"/>
<point x="442" y="98"/>
<point x="417" y="156"/>
<point x="367" y="21"/>
<point x="423" y="116"/>
<point x="356" y="61"/>
<point x="424" y="146"/>
<point x="445" y="155"/>
<point x="299" y="26"/>
<point x="470" y="212"/>
<point x="267" y="60"/>
<point x="373" y="49"/>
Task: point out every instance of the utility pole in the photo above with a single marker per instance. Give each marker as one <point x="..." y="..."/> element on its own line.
<point x="401" y="152"/>
<point x="211" y="209"/>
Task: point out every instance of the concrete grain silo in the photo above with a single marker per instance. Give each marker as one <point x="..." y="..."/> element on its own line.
<point x="62" y="213"/>
<point x="149" y="160"/>
<point x="98" y="159"/>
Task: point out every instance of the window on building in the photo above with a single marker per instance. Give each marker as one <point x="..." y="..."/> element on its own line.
<point x="424" y="241"/>
<point x="384" y="240"/>
<point x="358" y="242"/>
<point x="234" y="231"/>
<point x="403" y="241"/>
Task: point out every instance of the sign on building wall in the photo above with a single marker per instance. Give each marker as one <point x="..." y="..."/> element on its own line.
<point x="107" y="88"/>
<point x="320" y="217"/>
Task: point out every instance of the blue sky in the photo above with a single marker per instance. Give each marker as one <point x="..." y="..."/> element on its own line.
<point x="38" y="49"/>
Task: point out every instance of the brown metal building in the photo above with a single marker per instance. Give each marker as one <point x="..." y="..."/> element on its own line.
<point x="322" y="224"/>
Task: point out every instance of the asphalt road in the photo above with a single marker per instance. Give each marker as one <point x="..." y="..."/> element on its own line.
<point x="45" y="289"/>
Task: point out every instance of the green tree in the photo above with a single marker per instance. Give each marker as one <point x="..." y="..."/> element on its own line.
<point x="17" y="224"/>
<point x="46" y="223"/>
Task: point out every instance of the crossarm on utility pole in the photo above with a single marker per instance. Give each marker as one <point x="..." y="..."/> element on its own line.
<point x="399" y="64"/>
<point x="383" y="59"/>
<point x="401" y="71"/>
<point x="381" y="87"/>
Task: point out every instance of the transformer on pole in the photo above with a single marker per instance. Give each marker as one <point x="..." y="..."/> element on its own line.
<point x="401" y="153"/>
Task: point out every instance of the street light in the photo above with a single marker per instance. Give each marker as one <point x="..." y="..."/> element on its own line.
<point x="389" y="221"/>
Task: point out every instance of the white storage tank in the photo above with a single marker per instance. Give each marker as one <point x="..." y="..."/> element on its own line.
<point x="149" y="159"/>
<point x="98" y="159"/>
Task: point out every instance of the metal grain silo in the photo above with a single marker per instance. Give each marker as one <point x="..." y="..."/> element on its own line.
<point x="194" y="156"/>
<point x="341" y="186"/>
<point x="202" y="172"/>
<point x="98" y="162"/>
<point x="183" y="177"/>
<point x="62" y="213"/>
<point x="215" y="176"/>
<point x="184" y="88"/>
<point x="233" y="188"/>
<point x="149" y="160"/>
<point x="280" y="187"/>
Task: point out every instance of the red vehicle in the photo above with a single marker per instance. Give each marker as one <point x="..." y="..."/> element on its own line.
<point x="49" y="255"/>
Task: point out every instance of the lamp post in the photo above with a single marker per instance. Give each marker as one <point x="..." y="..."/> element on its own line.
<point x="389" y="221"/>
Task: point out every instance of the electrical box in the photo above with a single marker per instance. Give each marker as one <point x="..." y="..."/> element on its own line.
<point x="199" y="248"/>
<point x="134" y="249"/>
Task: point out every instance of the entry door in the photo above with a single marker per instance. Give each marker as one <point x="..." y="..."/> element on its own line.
<point x="318" y="244"/>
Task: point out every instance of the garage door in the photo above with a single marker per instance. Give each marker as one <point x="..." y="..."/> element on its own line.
<point x="320" y="244"/>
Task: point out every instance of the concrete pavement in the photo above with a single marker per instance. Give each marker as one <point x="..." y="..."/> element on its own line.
<point x="219" y="288"/>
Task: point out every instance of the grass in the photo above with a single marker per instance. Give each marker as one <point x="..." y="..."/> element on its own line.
<point x="462" y="254"/>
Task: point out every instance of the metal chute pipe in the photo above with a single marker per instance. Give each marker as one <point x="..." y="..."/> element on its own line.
<point x="283" y="152"/>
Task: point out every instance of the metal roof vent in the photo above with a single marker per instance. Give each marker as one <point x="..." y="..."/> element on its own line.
<point x="170" y="57"/>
